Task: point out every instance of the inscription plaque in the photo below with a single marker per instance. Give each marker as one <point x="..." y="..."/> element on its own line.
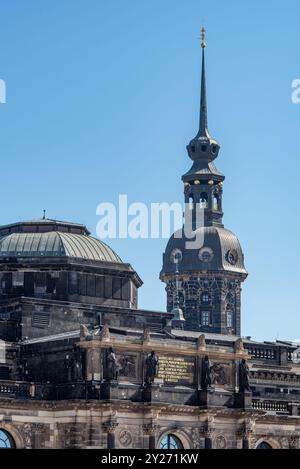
<point x="176" y="370"/>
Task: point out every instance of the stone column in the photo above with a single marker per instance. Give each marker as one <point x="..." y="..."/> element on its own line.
<point x="110" y="427"/>
<point x="207" y="433"/>
<point x="151" y="430"/>
<point x="246" y="434"/>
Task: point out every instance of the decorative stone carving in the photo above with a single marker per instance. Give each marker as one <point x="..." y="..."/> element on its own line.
<point x="218" y="374"/>
<point x="27" y="436"/>
<point x="294" y="442"/>
<point x="146" y="335"/>
<point x="111" y="366"/>
<point x="201" y="344"/>
<point x="239" y="346"/>
<point x="104" y="335"/>
<point x="244" y="376"/>
<point x="127" y="365"/>
<point x="196" y="437"/>
<point x="284" y="443"/>
<point x="85" y="333"/>
<point x="150" y="429"/>
<point x="205" y="373"/>
<point x="152" y="365"/>
<point x="125" y="438"/>
<point x="110" y="426"/>
<point x="220" y="442"/>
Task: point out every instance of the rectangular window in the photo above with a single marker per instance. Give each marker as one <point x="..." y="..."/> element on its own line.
<point x="229" y="319"/>
<point x="205" y="318"/>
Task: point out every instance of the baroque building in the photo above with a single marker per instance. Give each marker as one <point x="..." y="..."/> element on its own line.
<point x="82" y="366"/>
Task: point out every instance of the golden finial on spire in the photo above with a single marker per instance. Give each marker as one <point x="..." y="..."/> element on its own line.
<point x="203" y="45"/>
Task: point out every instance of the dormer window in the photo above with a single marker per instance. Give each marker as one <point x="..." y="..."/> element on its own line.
<point x="203" y="148"/>
<point x="214" y="149"/>
<point x="193" y="148"/>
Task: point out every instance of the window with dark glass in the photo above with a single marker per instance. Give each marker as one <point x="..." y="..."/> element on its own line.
<point x="205" y="318"/>
<point x="264" y="445"/>
<point x="205" y="298"/>
<point x="229" y="319"/>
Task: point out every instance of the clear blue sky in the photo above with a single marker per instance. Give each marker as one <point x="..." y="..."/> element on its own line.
<point x="102" y="98"/>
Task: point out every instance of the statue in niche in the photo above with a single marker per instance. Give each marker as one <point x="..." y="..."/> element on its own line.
<point x="112" y="366"/>
<point x="152" y="366"/>
<point x="244" y="376"/>
<point x="205" y="373"/>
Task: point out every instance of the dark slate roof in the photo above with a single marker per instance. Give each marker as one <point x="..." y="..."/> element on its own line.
<point x="50" y="238"/>
<point x="220" y="240"/>
<point x="203" y="168"/>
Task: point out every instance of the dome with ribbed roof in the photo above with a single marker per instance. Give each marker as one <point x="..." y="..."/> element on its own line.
<point x="52" y="238"/>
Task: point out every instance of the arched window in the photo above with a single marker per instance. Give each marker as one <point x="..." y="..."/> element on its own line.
<point x="205" y="298"/>
<point x="203" y="200"/>
<point x="229" y="319"/>
<point x="6" y="441"/>
<point x="264" y="445"/>
<point x="216" y="202"/>
<point x="191" y="202"/>
<point x="170" y="442"/>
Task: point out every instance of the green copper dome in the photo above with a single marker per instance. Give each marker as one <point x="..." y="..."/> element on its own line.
<point x="52" y="238"/>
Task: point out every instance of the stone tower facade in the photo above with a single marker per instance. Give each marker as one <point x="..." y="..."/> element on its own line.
<point x="206" y="276"/>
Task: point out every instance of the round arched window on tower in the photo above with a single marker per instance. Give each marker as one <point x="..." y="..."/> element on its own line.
<point x="206" y="254"/>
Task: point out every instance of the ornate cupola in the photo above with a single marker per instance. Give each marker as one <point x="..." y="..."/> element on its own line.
<point x="206" y="279"/>
<point x="203" y="182"/>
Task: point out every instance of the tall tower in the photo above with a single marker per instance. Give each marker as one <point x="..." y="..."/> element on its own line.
<point x="206" y="278"/>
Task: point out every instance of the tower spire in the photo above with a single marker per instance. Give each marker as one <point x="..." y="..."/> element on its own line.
<point x="203" y="147"/>
<point x="203" y="130"/>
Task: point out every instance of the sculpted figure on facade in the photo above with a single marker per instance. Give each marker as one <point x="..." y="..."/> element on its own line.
<point x="152" y="366"/>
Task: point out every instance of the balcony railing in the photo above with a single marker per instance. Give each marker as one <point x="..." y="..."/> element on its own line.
<point x="272" y="406"/>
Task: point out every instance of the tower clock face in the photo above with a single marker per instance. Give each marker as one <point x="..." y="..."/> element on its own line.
<point x="232" y="256"/>
<point x="206" y="254"/>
